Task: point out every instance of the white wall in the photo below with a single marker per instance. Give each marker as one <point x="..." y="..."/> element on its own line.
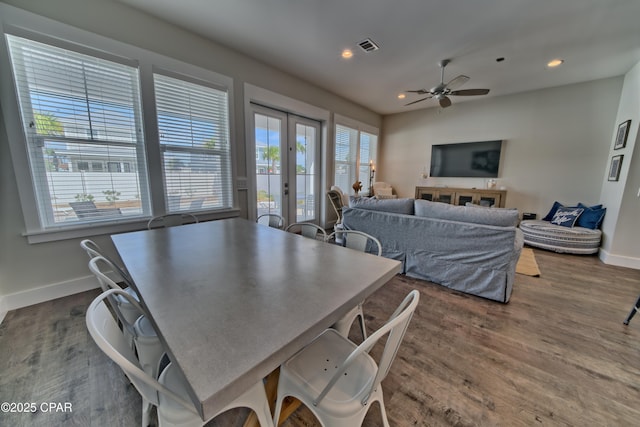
<point x="556" y="143"/>
<point x="558" y="146"/>
<point x="620" y="226"/>
<point x="26" y="268"/>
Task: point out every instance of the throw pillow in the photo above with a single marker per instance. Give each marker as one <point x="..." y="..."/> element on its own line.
<point x="552" y="211"/>
<point x="591" y="217"/>
<point x="566" y="217"/>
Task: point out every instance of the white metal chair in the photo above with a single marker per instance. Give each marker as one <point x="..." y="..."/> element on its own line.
<point x="272" y="220"/>
<point x="91" y="248"/>
<point x="149" y="351"/>
<point x="359" y="241"/>
<point x="169" y="392"/>
<point x="116" y="274"/>
<point x="335" y="197"/>
<point x="308" y="229"/>
<point x="135" y="324"/>
<point x="338" y="380"/>
<point x="171" y="220"/>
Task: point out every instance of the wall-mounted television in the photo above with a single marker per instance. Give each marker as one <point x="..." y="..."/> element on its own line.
<point x="479" y="159"/>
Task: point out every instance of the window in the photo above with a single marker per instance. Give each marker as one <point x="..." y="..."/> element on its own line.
<point x="355" y="155"/>
<point x="77" y="108"/>
<point x="79" y="144"/>
<point x="113" y="167"/>
<point x="194" y="140"/>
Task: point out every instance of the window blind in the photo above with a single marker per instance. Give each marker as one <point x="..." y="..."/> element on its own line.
<point x="368" y="145"/>
<point x="81" y="117"/>
<point x="193" y="127"/>
<point x="345" y="157"/>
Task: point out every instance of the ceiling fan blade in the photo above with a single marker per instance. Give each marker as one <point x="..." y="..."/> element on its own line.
<point x="469" y="92"/>
<point x="444" y="102"/>
<point x="418" y="91"/>
<point x="419" y="100"/>
<point x="457" y="82"/>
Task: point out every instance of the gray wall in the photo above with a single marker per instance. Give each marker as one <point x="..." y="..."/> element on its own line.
<point x="26" y="266"/>
<point x="558" y="145"/>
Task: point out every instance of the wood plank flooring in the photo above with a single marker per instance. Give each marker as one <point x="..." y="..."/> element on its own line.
<point x="556" y="355"/>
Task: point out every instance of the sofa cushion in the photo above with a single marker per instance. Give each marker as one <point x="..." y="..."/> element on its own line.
<point x="591" y="217"/>
<point x="400" y="206"/>
<point x="566" y="217"/>
<point x="488" y="216"/>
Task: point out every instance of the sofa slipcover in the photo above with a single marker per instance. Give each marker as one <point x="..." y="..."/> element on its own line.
<point x="478" y="259"/>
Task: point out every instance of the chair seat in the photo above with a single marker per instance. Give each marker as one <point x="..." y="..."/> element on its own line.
<point x="311" y="369"/>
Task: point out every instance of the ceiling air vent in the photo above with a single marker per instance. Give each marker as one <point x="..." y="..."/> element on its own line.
<point x="368" y="45"/>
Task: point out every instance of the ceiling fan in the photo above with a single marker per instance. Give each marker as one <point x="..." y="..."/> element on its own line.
<point x="443" y="91"/>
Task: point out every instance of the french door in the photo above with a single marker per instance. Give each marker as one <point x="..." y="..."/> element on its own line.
<point x="287" y="164"/>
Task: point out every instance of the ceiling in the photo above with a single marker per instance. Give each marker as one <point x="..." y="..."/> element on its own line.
<point x="595" y="38"/>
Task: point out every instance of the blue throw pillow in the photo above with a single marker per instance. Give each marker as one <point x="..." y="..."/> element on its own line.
<point x="591" y="217"/>
<point x="566" y="217"/>
<point x="552" y="211"/>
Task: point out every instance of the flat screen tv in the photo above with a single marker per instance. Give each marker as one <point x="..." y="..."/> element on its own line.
<point x="466" y="159"/>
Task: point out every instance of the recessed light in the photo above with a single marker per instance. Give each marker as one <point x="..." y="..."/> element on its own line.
<point x="401" y="96"/>
<point x="346" y="54"/>
<point x="555" y="63"/>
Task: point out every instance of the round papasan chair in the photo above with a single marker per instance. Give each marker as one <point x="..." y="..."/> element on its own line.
<point x="574" y="240"/>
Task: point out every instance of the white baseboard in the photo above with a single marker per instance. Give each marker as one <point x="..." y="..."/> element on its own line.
<point x="45" y="293"/>
<point x="619" y="260"/>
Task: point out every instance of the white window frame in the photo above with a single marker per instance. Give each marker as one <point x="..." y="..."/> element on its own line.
<point x="25" y="24"/>
<point x="360" y="128"/>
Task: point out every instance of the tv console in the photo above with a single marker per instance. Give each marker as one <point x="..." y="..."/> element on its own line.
<point x="461" y="196"/>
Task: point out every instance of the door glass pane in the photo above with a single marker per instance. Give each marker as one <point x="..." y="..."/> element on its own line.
<point x="305" y="172"/>
<point x="268" y="161"/>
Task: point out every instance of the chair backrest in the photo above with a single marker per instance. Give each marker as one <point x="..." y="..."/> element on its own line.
<point x="84" y="209"/>
<point x="272" y="220"/>
<point x="100" y="266"/>
<point x="395" y="327"/>
<point x="171" y="220"/>
<point x="358" y="240"/>
<point x="196" y="204"/>
<point x="336" y="201"/>
<point x="108" y="337"/>
<point x="308" y="229"/>
<point x="344" y="196"/>
<point x="91" y="248"/>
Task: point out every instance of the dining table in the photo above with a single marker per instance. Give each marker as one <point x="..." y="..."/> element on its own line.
<point x="231" y="299"/>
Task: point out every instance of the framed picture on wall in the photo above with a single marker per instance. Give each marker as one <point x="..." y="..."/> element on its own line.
<point x="621" y="136"/>
<point x="614" y="169"/>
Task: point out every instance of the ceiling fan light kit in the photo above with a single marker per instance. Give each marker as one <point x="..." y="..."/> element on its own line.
<point x="442" y="91"/>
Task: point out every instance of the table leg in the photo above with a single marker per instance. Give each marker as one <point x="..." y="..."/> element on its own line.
<point x="289" y="405"/>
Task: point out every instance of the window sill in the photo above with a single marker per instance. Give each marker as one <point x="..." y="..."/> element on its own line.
<point x="96" y="229"/>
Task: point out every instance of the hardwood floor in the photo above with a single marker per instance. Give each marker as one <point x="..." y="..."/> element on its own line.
<point x="558" y="354"/>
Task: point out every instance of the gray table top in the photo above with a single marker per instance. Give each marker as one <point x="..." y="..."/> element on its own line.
<point x="232" y="299"/>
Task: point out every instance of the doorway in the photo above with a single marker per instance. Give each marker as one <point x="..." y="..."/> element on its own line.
<point x="287" y="166"/>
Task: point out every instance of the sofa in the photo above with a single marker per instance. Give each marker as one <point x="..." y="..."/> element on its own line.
<point x="470" y="249"/>
<point x="566" y="229"/>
